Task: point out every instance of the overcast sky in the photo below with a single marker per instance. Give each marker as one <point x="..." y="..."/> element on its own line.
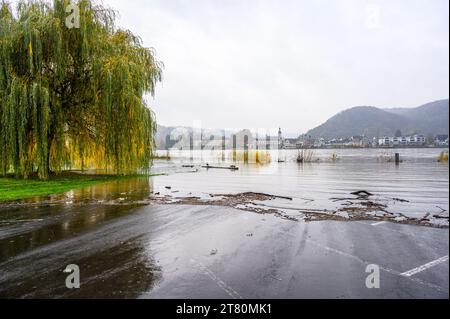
<point x="294" y="64"/>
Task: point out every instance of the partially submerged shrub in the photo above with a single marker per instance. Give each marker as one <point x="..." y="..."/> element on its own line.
<point x="443" y="157"/>
<point x="335" y="157"/>
<point x="166" y="157"/>
<point x="253" y="156"/>
<point x="306" y="156"/>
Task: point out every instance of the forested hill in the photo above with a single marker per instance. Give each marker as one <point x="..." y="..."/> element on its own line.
<point x="432" y="118"/>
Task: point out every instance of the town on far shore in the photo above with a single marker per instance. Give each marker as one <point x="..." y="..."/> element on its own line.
<point x="425" y="126"/>
<point x="361" y="141"/>
<point x="247" y="139"/>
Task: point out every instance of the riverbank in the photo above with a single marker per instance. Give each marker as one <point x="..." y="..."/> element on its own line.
<point x="12" y="189"/>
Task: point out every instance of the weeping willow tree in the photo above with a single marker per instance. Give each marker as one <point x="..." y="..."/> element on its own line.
<point x="72" y="97"/>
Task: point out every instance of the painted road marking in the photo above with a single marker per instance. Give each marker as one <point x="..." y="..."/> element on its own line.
<point x="225" y="287"/>
<point x="386" y="269"/>
<point x="422" y="268"/>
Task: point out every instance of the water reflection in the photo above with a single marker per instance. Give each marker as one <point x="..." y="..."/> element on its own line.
<point x="121" y="271"/>
<point x="127" y="188"/>
<point x="67" y="224"/>
<point x="23" y="228"/>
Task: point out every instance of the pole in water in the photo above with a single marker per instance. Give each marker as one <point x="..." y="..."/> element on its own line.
<point x="234" y="147"/>
<point x="246" y="148"/>
<point x="191" y="145"/>
<point x="397" y="158"/>
<point x="223" y="145"/>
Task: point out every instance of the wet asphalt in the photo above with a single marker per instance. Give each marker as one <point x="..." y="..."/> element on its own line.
<point x="213" y="252"/>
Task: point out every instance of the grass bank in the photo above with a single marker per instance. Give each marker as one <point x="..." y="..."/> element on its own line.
<point x="15" y="189"/>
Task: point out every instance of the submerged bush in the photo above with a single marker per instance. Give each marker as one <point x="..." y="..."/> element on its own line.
<point x="253" y="156"/>
<point x="443" y="157"/>
<point x="334" y="157"/>
<point x="306" y="156"/>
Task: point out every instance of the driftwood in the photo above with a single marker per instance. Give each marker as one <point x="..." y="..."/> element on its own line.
<point x="401" y="200"/>
<point x="274" y="196"/>
<point x="441" y="217"/>
<point x="232" y="167"/>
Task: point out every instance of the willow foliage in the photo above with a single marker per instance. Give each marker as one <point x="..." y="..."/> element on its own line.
<point x="72" y="98"/>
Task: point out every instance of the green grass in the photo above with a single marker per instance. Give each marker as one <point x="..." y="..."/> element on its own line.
<point x="15" y="189"/>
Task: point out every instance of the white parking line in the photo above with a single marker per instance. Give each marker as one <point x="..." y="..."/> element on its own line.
<point x="225" y="287"/>
<point x="386" y="269"/>
<point x="422" y="268"/>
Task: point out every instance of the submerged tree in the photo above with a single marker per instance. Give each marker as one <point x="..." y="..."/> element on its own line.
<point x="72" y="97"/>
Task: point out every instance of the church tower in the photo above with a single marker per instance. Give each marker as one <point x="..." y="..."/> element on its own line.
<point x="280" y="139"/>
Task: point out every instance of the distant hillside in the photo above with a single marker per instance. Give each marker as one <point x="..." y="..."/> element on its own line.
<point x="432" y="118"/>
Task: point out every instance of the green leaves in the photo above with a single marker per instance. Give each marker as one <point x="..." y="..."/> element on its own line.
<point x="73" y="98"/>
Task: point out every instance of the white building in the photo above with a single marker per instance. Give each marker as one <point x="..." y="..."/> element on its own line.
<point x="402" y="141"/>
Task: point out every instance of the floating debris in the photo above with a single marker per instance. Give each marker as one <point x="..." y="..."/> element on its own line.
<point x="441" y="217"/>
<point x="400" y="200"/>
<point x="442" y="210"/>
<point x="362" y="194"/>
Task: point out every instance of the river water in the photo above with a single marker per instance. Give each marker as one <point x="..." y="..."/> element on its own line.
<point x="420" y="181"/>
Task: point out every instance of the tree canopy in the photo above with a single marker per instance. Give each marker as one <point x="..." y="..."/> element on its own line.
<point x="73" y="97"/>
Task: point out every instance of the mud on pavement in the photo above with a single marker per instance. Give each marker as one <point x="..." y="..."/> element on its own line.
<point x="361" y="206"/>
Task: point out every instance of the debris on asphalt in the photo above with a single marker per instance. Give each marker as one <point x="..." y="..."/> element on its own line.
<point x="365" y="207"/>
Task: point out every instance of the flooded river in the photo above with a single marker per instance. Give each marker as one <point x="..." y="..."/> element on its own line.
<point x="127" y="247"/>
<point x="420" y="182"/>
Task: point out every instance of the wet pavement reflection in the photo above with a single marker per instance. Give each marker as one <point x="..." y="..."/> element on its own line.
<point x="122" y="270"/>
